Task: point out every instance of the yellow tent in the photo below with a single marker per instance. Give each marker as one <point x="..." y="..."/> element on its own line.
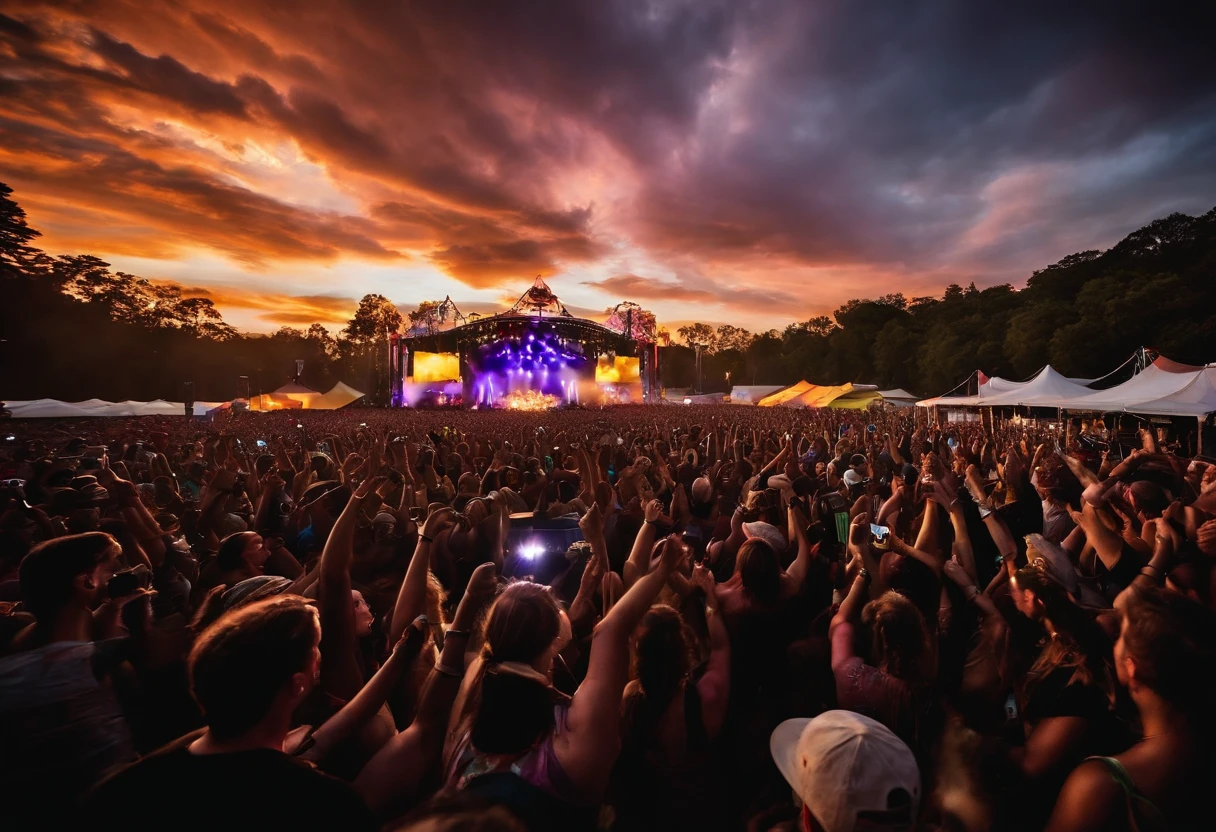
<point x="784" y="395"/>
<point x="805" y="394"/>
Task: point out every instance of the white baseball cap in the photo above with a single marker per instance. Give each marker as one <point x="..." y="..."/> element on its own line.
<point x="842" y="764"/>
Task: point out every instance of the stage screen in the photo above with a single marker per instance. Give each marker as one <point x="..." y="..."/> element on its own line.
<point x="623" y="370"/>
<point x="436" y="366"/>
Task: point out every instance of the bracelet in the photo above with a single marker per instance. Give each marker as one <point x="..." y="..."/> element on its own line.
<point x="1145" y="571"/>
<point x="424" y="539"/>
<point x="447" y="670"/>
<point x="864" y="573"/>
<point x="465" y="633"/>
<point x="975" y="593"/>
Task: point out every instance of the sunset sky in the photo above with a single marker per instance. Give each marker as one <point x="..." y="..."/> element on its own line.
<point x="745" y="162"/>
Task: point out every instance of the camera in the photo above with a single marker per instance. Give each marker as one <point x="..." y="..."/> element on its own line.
<point x="129" y="581"/>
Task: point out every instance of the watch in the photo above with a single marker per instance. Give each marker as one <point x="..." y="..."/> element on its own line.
<point x="864" y="573"/>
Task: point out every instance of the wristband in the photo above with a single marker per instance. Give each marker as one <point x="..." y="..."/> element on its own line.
<point x="975" y="593"/>
<point x="454" y="632"/>
<point x="424" y="539"/>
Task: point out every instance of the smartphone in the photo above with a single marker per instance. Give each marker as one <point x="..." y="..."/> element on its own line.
<point x="882" y="536"/>
<point x="871" y="428"/>
<point x="261" y="443"/>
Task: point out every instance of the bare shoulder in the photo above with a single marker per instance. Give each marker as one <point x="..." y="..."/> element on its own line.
<point x="1090" y="800"/>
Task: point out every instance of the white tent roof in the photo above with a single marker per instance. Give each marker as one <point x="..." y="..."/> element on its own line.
<point x="292" y="387"/>
<point x="752" y="393"/>
<point x="1197" y="398"/>
<point x="1160" y="379"/>
<point x="341" y="395"/>
<point x="897" y="395"/>
<point x="1047" y="389"/>
<point x="993" y="385"/>
<point x="56" y="409"/>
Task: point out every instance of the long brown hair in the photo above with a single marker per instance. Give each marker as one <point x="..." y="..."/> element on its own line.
<point x="900" y="640"/>
<point x="509" y="711"/>
<point x="1078" y="644"/>
<point x="662" y="658"/>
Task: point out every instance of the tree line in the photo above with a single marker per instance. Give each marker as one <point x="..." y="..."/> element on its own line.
<point x="1084" y="315"/>
<point x="72" y="328"/>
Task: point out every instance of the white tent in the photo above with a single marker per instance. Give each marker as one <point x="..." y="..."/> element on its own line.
<point x="1160" y="379"/>
<point x="1047" y="389"/>
<point x="45" y="409"/>
<point x="56" y="409"/>
<point x="1198" y="398"/>
<point x="987" y="387"/>
<point x="752" y="393"/>
<point x="898" y="397"/>
<point x="341" y="395"/>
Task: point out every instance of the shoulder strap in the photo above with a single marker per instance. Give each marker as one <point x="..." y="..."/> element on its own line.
<point x="1117" y="772"/>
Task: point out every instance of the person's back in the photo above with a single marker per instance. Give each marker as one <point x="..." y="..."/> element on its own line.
<point x="61" y="727"/>
<point x="249" y="671"/>
<point x="259" y="788"/>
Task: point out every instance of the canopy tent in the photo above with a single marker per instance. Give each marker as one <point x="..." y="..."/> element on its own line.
<point x="985" y="386"/>
<point x="1163" y="387"/>
<point x="785" y="394"/>
<point x="339" y="396"/>
<point x="1047" y="389"/>
<point x="1197" y="398"/>
<point x="898" y="397"/>
<point x="1160" y="379"/>
<point x="56" y="409"/>
<point x="752" y="393"/>
<point x="806" y="394"/>
<point x="291" y="395"/>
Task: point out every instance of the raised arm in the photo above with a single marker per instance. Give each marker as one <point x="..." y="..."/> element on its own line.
<point x="392" y="781"/>
<point x="639" y="556"/>
<point x="806" y="552"/>
<point x="589" y="747"/>
<point x="411" y="598"/>
<point x="714" y="684"/>
<point x="340" y="673"/>
<point x="372" y="696"/>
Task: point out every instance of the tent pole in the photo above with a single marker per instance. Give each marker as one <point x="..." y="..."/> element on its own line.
<point x="1199" y="442"/>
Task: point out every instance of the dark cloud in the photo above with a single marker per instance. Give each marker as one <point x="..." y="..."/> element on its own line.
<point x="649" y="289"/>
<point x="164" y="76"/>
<point x="901" y="145"/>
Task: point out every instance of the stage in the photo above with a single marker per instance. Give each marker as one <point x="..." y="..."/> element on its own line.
<point x="533" y="356"/>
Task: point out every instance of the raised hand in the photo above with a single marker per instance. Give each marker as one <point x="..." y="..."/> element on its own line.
<point x="653" y="511"/>
<point x="955" y="572"/>
<point x="703" y="578"/>
<point x="438" y="520"/>
<point x="592" y="523"/>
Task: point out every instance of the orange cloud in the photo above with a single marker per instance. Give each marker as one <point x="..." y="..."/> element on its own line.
<point x="286" y="310"/>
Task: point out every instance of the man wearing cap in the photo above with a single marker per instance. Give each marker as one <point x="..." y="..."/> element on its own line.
<point x="849" y="773"/>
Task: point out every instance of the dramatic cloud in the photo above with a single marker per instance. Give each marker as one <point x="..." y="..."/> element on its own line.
<point x="755" y="162"/>
<point x="281" y="310"/>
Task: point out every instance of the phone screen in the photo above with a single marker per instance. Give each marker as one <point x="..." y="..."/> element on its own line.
<point x="261" y="443"/>
<point x="882" y="537"/>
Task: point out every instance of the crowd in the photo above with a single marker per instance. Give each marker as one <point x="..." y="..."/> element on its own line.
<point x="775" y="619"/>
